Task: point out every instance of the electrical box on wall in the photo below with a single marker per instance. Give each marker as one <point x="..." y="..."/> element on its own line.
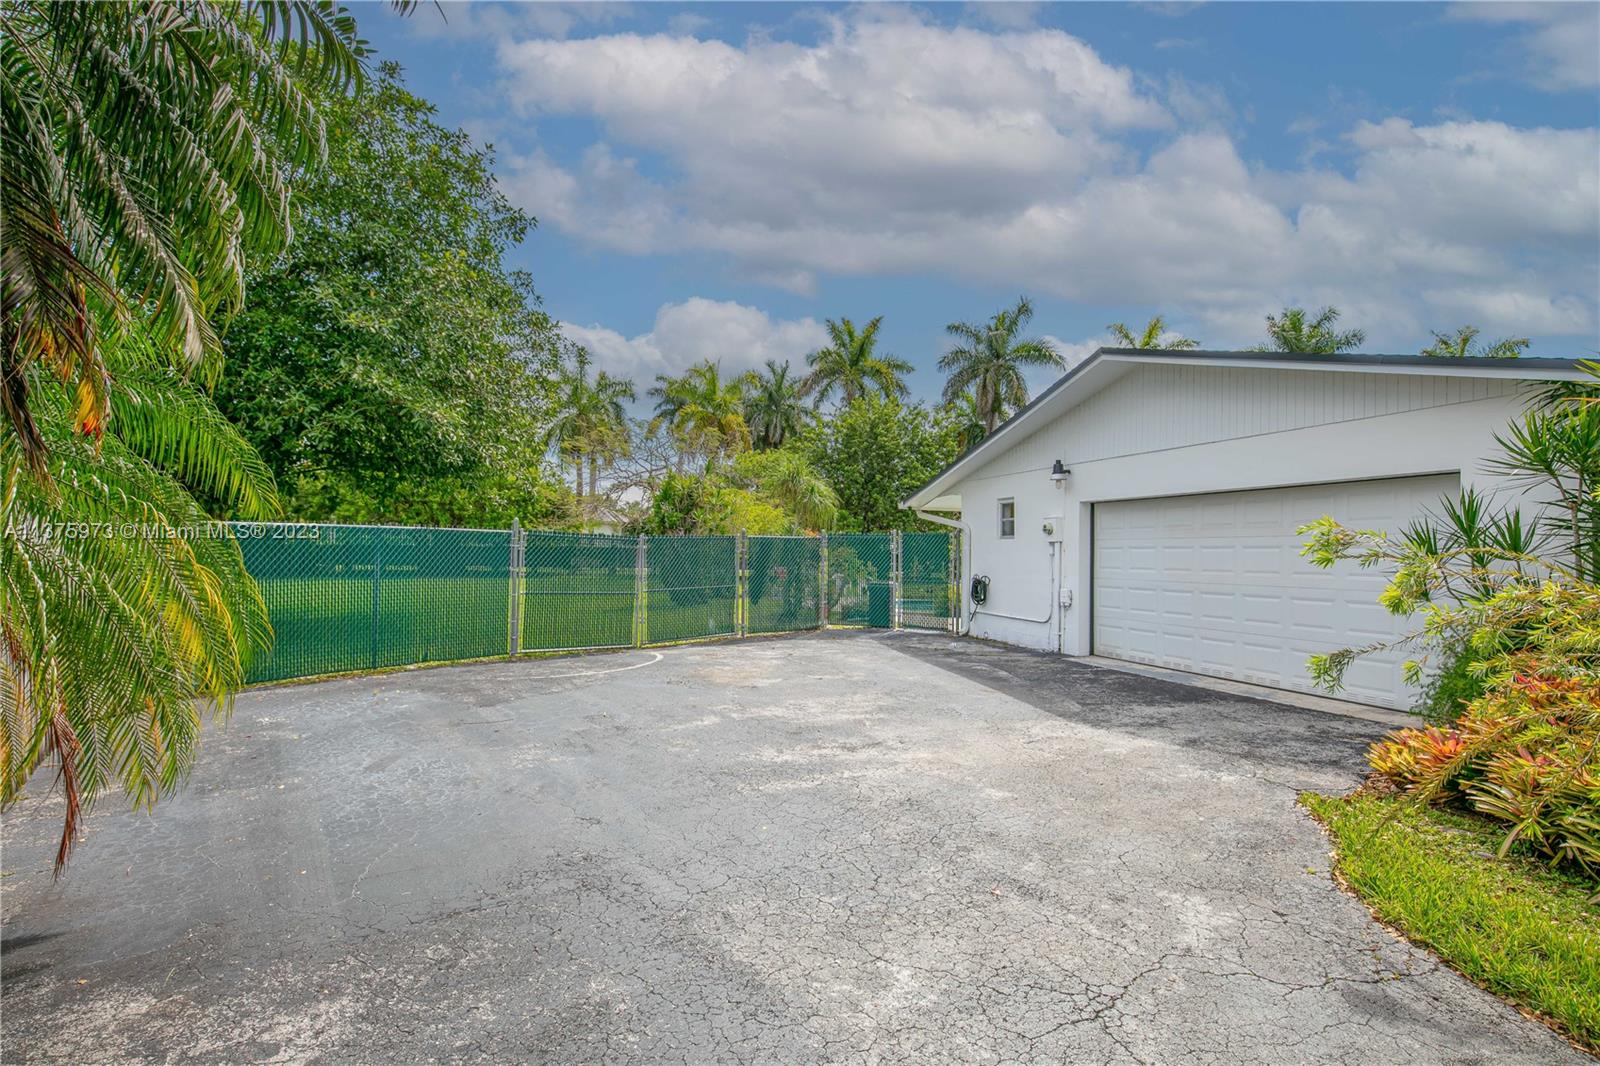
<point x="1053" y="527"/>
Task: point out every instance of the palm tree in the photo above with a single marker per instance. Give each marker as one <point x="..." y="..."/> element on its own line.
<point x="591" y="426"/>
<point x="969" y="428"/>
<point x="990" y="359"/>
<point x="851" y="366"/>
<point x="147" y="152"/>
<point x="774" y="405"/>
<point x="1463" y="345"/>
<point x="1152" y="337"/>
<point x="786" y="476"/>
<point x="703" y="411"/>
<point x="1295" y="331"/>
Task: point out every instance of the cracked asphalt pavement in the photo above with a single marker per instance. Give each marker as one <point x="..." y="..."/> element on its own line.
<point x="834" y="847"/>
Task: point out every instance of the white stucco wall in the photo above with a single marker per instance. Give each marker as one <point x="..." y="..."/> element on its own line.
<point x="1169" y="430"/>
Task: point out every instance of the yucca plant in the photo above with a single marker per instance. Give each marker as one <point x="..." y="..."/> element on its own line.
<point x="148" y="149"/>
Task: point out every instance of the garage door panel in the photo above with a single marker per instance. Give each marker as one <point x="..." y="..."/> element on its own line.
<point x="1216" y="583"/>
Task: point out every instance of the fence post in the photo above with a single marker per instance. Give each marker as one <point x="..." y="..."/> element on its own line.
<point x="896" y="574"/>
<point x="641" y="594"/>
<point x="515" y="587"/>
<point x="741" y="587"/>
<point x="377" y="596"/>
<point x="822" y="584"/>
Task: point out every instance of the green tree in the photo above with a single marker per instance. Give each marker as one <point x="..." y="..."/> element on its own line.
<point x="787" y="477"/>
<point x="876" y="452"/>
<point x="1463" y="344"/>
<point x="851" y="367"/>
<point x="774" y="405"/>
<point x="391" y="348"/>
<point x="704" y="411"/>
<point x="146" y="152"/>
<point x="1154" y="335"/>
<point x="989" y="361"/>
<point x="1296" y="331"/>
<point x="967" y="419"/>
<point x="591" y="425"/>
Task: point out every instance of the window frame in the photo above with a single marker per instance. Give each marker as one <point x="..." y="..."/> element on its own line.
<point x="1002" y="519"/>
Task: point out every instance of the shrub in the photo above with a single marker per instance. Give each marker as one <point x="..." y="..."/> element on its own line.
<point x="1448" y="690"/>
<point x="1514" y="608"/>
<point x="1523" y="754"/>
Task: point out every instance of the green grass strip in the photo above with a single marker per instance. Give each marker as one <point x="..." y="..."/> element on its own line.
<point x="1514" y="926"/>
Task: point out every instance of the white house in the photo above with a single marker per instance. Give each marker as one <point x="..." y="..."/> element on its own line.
<point x="1144" y="506"/>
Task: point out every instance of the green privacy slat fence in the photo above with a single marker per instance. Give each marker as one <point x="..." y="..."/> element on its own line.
<point x="861" y="579"/>
<point x="580" y="590"/>
<point x="927" y="580"/>
<point x="344" y="598"/>
<point x="353" y="598"/>
<point x="691" y="587"/>
<point x="782" y="576"/>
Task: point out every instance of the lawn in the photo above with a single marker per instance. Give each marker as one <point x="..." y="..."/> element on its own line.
<point x="1514" y="926"/>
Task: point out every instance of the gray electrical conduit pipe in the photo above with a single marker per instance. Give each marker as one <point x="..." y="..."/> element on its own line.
<point x="966" y="544"/>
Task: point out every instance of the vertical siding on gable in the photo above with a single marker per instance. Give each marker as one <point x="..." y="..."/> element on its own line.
<point x="1162" y="406"/>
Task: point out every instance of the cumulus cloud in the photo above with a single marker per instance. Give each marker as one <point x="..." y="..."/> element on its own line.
<point x="895" y="146"/>
<point x="737" y="336"/>
<point x="1560" y="40"/>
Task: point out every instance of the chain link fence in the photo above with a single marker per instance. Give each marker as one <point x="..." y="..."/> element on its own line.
<point x="928" y="580"/>
<point x="783" y="582"/>
<point x="355" y="598"/>
<point x="861" y="579"/>
<point x="345" y="598"/>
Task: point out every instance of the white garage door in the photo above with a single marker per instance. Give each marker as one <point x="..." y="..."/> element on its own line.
<point x="1215" y="584"/>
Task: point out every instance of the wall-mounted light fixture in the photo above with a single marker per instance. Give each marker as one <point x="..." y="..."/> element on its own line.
<point x="1059" y="472"/>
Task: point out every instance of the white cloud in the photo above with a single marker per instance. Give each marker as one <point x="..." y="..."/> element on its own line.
<point x="738" y="337"/>
<point x="893" y="146"/>
<point x="487" y="21"/>
<point x="1562" y="40"/>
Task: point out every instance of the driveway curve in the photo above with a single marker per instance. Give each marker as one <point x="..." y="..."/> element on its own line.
<point x="839" y="847"/>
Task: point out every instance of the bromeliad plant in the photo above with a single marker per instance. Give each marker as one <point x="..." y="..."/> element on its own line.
<point x="1516" y="603"/>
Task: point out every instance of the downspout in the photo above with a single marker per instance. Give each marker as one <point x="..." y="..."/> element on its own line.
<point x="966" y="542"/>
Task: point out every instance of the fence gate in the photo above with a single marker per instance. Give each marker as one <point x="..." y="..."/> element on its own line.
<point x="861" y="579"/>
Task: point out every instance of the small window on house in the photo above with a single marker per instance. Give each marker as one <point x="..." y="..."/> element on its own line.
<point x="1008" y="518"/>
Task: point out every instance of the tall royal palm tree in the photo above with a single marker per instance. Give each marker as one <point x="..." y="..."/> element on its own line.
<point x="989" y="361"/>
<point x="1463" y="344"/>
<point x="704" y="411"/>
<point x="591" y="422"/>
<point x="774" y="405"/>
<point x="1154" y="335"/>
<point x="851" y="367"/>
<point x="148" y="148"/>
<point x="1296" y="331"/>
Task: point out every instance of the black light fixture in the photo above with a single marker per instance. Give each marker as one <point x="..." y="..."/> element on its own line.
<point x="1059" y="472"/>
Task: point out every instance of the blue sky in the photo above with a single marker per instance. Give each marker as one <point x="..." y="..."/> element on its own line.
<point x="715" y="180"/>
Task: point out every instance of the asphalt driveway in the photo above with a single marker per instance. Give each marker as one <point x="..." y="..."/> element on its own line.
<point x="838" y="847"/>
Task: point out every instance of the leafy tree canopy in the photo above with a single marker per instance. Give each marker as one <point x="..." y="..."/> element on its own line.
<point x="390" y="350"/>
<point x="876" y="452"/>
